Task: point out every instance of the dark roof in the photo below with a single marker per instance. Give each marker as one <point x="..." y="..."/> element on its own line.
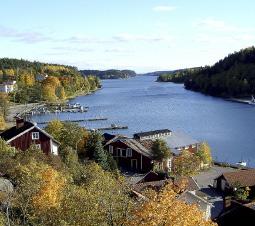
<point x="153" y="132"/>
<point x="155" y="185"/>
<point x="244" y="177"/>
<point x="108" y="136"/>
<point x="238" y="215"/>
<point x="151" y="176"/>
<point x="13" y="131"/>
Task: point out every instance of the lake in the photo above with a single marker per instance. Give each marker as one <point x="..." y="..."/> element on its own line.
<point x="143" y="104"/>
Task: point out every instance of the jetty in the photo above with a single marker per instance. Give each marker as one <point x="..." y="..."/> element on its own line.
<point x="57" y="108"/>
<point x="77" y="120"/>
<point x="112" y="127"/>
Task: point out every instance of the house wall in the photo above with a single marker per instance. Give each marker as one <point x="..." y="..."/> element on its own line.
<point x="129" y="163"/>
<point x="54" y="148"/>
<point x="24" y="141"/>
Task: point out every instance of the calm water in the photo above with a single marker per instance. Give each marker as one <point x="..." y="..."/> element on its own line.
<point x="142" y="104"/>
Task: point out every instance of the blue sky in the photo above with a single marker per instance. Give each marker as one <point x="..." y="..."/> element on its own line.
<point x="143" y="35"/>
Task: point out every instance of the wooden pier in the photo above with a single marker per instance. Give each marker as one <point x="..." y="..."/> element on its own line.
<point x="115" y="127"/>
<point x="76" y="120"/>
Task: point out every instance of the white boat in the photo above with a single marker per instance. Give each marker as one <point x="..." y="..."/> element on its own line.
<point x="242" y="163"/>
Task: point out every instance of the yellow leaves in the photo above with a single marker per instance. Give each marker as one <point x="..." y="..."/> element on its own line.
<point x="2" y="122"/>
<point x="50" y="86"/>
<point x="56" y="68"/>
<point x="204" y="153"/>
<point x="48" y="93"/>
<point x="165" y="209"/>
<point x="9" y="72"/>
<point x="186" y="164"/>
<point x="49" y="194"/>
<point x="27" y="79"/>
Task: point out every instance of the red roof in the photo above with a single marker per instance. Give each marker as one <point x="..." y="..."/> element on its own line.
<point x="243" y="177"/>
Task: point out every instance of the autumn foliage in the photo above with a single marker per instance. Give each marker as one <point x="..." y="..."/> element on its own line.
<point x="165" y="209"/>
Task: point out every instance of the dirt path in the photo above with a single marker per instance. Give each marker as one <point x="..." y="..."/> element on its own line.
<point x="18" y="109"/>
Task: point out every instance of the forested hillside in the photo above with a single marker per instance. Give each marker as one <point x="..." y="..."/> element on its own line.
<point x="234" y="76"/>
<point x="110" y="74"/>
<point x="177" y="76"/>
<point x="41" y="81"/>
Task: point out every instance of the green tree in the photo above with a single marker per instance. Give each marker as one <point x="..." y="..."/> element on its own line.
<point x="160" y="150"/>
<point x="239" y="192"/>
<point x="95" y="150"/>
<point x="204" y="153"/>
<point x="186" y="164"/>
<point x="54" y="128"/>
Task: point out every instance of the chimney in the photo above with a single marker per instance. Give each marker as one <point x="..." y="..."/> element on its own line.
<point x="19" y="123"/>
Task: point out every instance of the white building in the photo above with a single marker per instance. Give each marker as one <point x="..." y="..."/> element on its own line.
<point x="7" y="87"/>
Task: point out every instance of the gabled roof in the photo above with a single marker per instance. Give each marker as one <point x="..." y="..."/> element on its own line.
<point x="13" y="133"/>
<point x="190" y="198"/>
<point x="243" y="177"/>
<point x="137" y="146"/>
<point x="109" y="138"/>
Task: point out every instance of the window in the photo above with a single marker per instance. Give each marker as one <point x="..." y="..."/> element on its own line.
<point x="38" y="146"/>
<point x="35" y="136"/>
<point x="123" y="153"/>
<point x="118" y="152"/>
<point x="129" y="152"/>
<point x="110" y="149"/>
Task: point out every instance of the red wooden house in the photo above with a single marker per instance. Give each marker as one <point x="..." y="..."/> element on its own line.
<point x="130" y="154"/>
<point x="25" y="133"/>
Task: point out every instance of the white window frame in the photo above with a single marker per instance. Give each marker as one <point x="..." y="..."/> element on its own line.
<point x="111" y="149"/>
<point x="35" y="135"/>
<point x="38" y="146"/>
<point x="129" y="152"/>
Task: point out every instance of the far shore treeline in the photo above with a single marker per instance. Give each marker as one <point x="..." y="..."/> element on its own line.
<point x="110" y="74"/>
<point x="45" y="82"/>
<point x="233" y="76"/>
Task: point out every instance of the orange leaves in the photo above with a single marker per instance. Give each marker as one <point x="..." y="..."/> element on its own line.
<point x="165" y="209"/>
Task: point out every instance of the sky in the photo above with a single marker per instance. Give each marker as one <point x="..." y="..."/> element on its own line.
<point x="141" y="35"/>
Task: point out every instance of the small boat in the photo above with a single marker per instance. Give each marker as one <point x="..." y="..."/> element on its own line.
<point x="242" y="163"/>
<point x="252" y="101"/>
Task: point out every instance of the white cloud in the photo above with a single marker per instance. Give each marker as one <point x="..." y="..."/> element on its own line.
<point x="125" y="37"/>
<point x="164" y="8"/>
<point x="28" y="37"/>
<point x="213" y="24"/>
